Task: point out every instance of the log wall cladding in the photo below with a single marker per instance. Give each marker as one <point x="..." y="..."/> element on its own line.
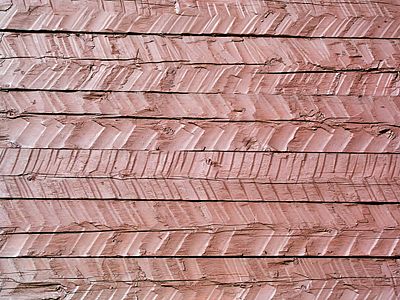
<point x="182" y="149"/>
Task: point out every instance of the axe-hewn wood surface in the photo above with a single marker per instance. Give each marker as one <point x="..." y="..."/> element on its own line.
<point x="180" y="149"/>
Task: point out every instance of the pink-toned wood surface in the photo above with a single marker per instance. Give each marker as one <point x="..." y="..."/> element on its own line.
<point x="224" y="17"/>
<point x="179" y="149"/>
<point x="90" y="75"/>
<point x="201" y="278"/>
<point x="218" y="107"/>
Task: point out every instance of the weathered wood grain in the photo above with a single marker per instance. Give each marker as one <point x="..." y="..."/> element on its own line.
<point x="35" y="186"/>
<point x="300" y="54"/>
<point x="265" y="278"/>
<point x="166" y="135"/>
<point x="95" y="228"/>
<point x="204" y="289"/>
<point x="180" y="149"/>
<point x="60" y="215"/>
<point x="373" y="19"/>
<point x="94" y="75"/>
<point x="264" y="166"/>
<point x="224" y="242"/>
<point x="228" y="107"/>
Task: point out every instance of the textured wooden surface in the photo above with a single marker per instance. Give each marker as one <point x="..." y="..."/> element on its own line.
<point x="199" y="149"/>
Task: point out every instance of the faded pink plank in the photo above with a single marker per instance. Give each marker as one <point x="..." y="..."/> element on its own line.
<point x="92" y="75"/>
<point x="288" y="277"/>
<point x="315" y="19"/>
<point x="263" y="166"/>
<point x="252" y="107"/>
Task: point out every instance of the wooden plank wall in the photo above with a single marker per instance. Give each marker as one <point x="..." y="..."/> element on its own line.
<point x="185" y="149"/>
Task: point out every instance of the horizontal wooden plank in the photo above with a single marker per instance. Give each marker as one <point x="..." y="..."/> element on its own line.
<point x="166" y="135"/>
<point x="221" y="241"/>
<point x="253" y="107"/>
<point x="91" y="75"/>
<point x="185" y="189"/>
<point x="220" y="218"/>
<point x="203" y="289"/>
<point x="237" y="149"/>
<point x="263" y="166"/>
<point x="262" y="278"/>
<point x="299" y="54"/>
<point x="312" y="18"/>
<point x="94" y="75"/>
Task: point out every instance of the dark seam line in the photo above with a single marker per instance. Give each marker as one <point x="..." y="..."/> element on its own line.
<point x="206" y="151"/>
<point x="335" y="202"/>
<point x="131" y="33"/>
<point x="322" y="70"/>
<point x="384" y="257"/>
<point x="14" y="89"/>
<point x="100" y="116"/>
<point x="210" y="229"/>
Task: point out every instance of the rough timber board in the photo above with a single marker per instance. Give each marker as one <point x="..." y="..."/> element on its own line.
<point x="265" y="278"/>
<point x="198" y="242"/>
<point x="347" y="191"/>
<point x="300" y="54"/>
<point x="92" y="75"/>
<point x="98" y="228"/>
<point x="194" y="290"/>
<point x="138" y="134"/>
<point x="374" y="19"/>
<point x="267" y="166"/>
<point x="171" y="215"/>
<point x="225" y="107"/>
<point x="199" y="150"/>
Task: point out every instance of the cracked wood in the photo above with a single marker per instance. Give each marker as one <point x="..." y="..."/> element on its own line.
<point x="180" y="149"/>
